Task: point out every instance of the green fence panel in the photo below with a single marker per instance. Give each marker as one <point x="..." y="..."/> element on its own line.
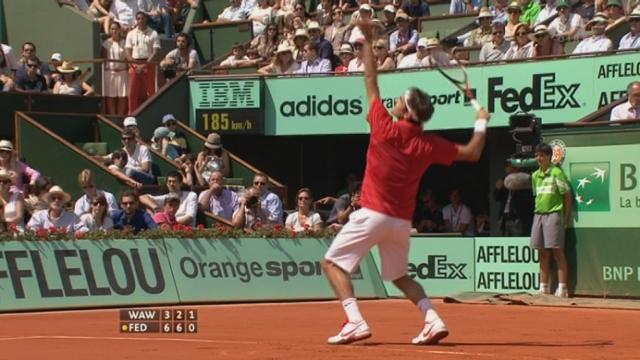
<point x="213" y="40"/>
<point x="439" y="8"/>
<point x="171" y="100"/>
<point x="10" y="102"/>
<point x="506" y="265"/>
<point x="66" y="103"/>
<point x="445" y="25"/>
<point x="443" y="266"/>
<point x="213" y="8"/>
<point x="38" y="275"/>
<point x="257" y="270"/>
<point x="71" y="127"/>
<point x="3" y="25"/>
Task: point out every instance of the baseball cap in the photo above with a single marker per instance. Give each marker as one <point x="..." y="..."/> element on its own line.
<point x="130" y="121"/>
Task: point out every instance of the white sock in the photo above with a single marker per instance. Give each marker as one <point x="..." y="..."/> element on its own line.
<point x="562" y="286"/>
<point x="544" y="288"/>
<point x="351" y="309"/>
<point x="427" y="310"/>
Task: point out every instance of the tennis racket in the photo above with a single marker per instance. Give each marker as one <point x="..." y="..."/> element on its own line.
<point x="453" y="71"/>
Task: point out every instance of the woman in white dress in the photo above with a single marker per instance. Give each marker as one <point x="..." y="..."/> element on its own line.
<point x="305" y="219"/>
<point x="116" y="78"/>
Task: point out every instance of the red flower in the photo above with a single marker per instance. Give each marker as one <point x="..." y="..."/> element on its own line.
<point x="41" y="233"/>
<point x="13" y="228"/>
<point x="79" y="234"/>
<point x="52" y="229"/>
<point x="200" y="227"/>
<point x="277" y="227"/>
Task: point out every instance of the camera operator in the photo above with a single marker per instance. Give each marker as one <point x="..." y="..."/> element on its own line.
<point x="250" y="213"/>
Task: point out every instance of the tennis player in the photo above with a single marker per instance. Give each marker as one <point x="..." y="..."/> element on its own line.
<point x="399" y="153"/>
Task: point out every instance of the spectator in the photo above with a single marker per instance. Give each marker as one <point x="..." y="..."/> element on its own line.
<point x="11" y="204"/>
<point x="325" y="50"/>
<point x="530" y="11"/>
<point x="218" y="200"/>
<point x="119" y="159"/>
<point x="139" y="160"/>
<point x="29" y="53"/>
<point x="356" y="64"/>
<point x="6" y="83"/>
<point x="481" y="35"/>
<point x="544" y="44"/>
<point x="416" y="8"/>
<point x="381" y="52"/>
<point x="98" y="218"/>
<point x="346" y="55"/>
<point x="514" y="11"/>
<point x="262" y="16"/>
<point x="615" y="12"/>
<point x="87" y="183"/>
<point x="457" y="216"/>
<point x="250" y="214"/>
<point x="158" y="16"/>
<point x="189" y="174"/>
<point x="19" y="171"/>
<point x="632" y="39"/>
<point x="188" y="209"/>
<point x="598" y="41"/>
<point x="338" y="31"/>
<point x="269" y="201"/>
<point x="282" y="62"/>
<point x="12" y="63"/>
<point x="522" y="46"/>
<point x="179" y="139"/>
<point x="389" y="18"/>
<point x="345" y="205"/>
<point x="124" y="12"/>
<point x="142" y="45"/>
<point x="34" y="194"/>
<point x="301" y="37"/>
<point x="266" y="43"/>
<point x="629" y="109"/>
<point x="421" y="57"/>
<point x="116" y="78"/>
<point x="249" y="5"/>
<point x="567" y="25"/>
<point x="499" y="11"/>
<point x="286" y="9"/>
<point x="161" y="142"/>
<point x="547" y="12"/>
<point x="130" y="218"/>
<point x="312" y="63"/>
<point x="72" y="82"/>
<point x="586" y="10"/>
<point x="5" y="67"/>
<point x="498" y="47"/>
<point x="99" y="10"/>
<point x="183" y="58"/>
<point x="403" y="41"/>
<point x="428" y="216"/>
<point x="553" y="201"/>
<point x="130" y="123"/>
<point x="213" y="157"/>
<point x="304" y="218"/>
<point x="516" y="202"/>
<point x="237" y="58"/>
<point x="365" y="13"/>
<point x="56" y="216"/>
<point x="31" y="80"/>
<point x="55" y="61"/>
<point x="166" y="219"/>
<point x="464" y="6"/>
<point x="324" y="13"/>
<point x="234" y="12"/>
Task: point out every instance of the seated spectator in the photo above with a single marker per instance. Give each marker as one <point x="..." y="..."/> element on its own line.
<point x="213" y="157"/>
<point x="305" y="218"/>
<point x="463" y="6"/>
<point x="158" y="16"/>
<point x="71" y="83"/>
<point x="139" y="159"/>
<point x="357" y="63"/>
<point x="267" y="43"/>
<point x="629" y="109"/>
<point x="56" y="216"/>
<point x="313" y="64"/>
<point x="98" y="218"/>
<point x="567" y="25"/>
<point x="457" y="216"/>
<point x="234" y="12"/>
<point x="345" y="205"/>
<point x="498" y="46"/>
<point x="428" y="216"/>
<point x="381" y="52"/>
<point x="416" y="8"/>
<point x="218" y="200"/>
<point x="6" y="83"/>
<point x="547" y="11"/>
<point x="116" y="76"/>
<point x="99" y="11"/>
<point x="19" y="171"/>
<point x="250" y="213"/>
<point x="403" y="41"/>
<point x="188" y="171"/>
<point x="31" y="80"/>
<point x="389" y="19"/>
<point x="270" y="202"/>
<point x="346" y="55"/>
<point x="55" y="61"/>
<point x="166" y="218"/>
<point x="632" y="39"/>
<point x="481" y="35"/>
<point x="130" y="218"/>
<point x="261" y="16"/>
<point x="499" y="11"/>
<point x="297" y="48"/>
<point x="338" y="32"/>
<point x="282" y="62"/>
<point x="598" y="41"/>
<point x="34" y="194"/>
<point x="522" y="46"/>
<point x="325" y="50"/>
<point x="544" y="44"/>
<point x="161" y="142"/>
<point x="87" y="183"/>
<point x="186" y="214"/>
<point x="586" y="10"/>
<point x="324" y="13"/>
<point x="5" y="67"/>
<point x="124" y="12"/>
<point x="130" y="123"/>
<point x="514" y="11"/>
<point x="179" y="139"/>
<point x="119" y="160"/>
<point x="421" y="57"/>
<point x="615" y="12"/>
<point x="530" y="11"/>
<point x="238" y="58"/>
<point x="365" y="13"/>
<point x="183" y="58"/>
<point x="11" y="204"/>
<point x="29" y="54"/>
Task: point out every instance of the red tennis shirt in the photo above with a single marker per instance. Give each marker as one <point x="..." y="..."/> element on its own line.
<point x="399" y="153"/>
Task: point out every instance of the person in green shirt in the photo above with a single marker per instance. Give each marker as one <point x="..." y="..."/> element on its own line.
<point x="552" y="209"/>
<point x="530" y="11"/>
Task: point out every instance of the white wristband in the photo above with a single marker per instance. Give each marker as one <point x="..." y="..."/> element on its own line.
<point x="480" y="126"/>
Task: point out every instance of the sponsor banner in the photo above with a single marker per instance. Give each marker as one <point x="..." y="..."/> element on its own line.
<point x="72" y="274"/>
<point x="443" y="266"/>
<point x="506" y="265"/>
<point x="259" y="269"/>
<point x="557" y="91"/>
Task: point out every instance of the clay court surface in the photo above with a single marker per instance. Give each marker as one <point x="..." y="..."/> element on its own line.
<point x="299" y="330"/>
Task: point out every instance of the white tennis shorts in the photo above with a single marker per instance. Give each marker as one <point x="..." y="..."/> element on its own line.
<point x="365" y="229"/>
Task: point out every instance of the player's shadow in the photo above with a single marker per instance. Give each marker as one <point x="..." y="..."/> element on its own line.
<point x="513" y="343"/>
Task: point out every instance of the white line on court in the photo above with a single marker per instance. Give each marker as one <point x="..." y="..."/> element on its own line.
<point x="47" y="337"/>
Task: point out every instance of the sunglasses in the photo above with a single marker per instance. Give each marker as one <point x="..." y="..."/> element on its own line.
<point x="303" y="198"/>
<point x="95" y="203"/>
<point x="127" y="203"/>
<point x="29" y="50"/>
<point x="127" y="138"/>
<point x="170" y="123"/>
<point x="259" y="183"/>
<point x="56" y="197"/>
<point x="32" y="65"/>
<point x="5" y="181"/>
<point x="522" y="34"/>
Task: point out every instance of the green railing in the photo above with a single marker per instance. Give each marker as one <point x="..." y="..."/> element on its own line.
<point x="213" y="40"/>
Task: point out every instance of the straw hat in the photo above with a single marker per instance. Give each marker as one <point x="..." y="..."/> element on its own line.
<point x="213" y="141"/>
<point x="635" y="14"/>
<point x="402" y="15"/>
<point x="6" y="145"/>
<point x="599" y="18"/>
<point x="538" y="30"/>
<point x="67" y="67"/>
<point x="485" y="13"/>
<point x="514" y="5"/>
<point x="56" y="190"/>
<point x="283" y="48"/>
<point x="301" y="32"/>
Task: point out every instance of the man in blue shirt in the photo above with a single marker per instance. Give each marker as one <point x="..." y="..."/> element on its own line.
<point x="130" y="217"/>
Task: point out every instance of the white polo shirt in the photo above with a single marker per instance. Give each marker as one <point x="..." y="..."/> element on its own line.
<point x="142" y="42"/>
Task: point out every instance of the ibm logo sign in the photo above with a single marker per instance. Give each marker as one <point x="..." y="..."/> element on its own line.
<point x="228" y="94"/>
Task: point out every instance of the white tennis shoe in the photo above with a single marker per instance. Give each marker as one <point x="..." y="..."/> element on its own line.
<point x="432" y="333"/>
<point x="562" y="292"/>
<point x="351" y="332"/>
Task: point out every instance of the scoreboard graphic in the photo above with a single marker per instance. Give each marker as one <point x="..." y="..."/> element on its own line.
<point x="165" y="321"/>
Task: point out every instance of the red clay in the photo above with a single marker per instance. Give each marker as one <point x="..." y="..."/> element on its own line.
<point x="299" y="331"/>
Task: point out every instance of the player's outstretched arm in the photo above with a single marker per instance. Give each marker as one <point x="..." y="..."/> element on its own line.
<point x="472" y="150"/>
<point x="369" y="30"/>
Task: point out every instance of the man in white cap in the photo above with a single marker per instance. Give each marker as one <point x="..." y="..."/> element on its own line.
<point x="421" y="57"/>
<point x="632" y="39"/>
<point x="598" y="41"/>
<point x="130" y="123"/>
<point x="389" y="18"/>
<point x="629" y="109"/>
<point x="139" y="159"/>
<point x="325" y="49"/>
<point x="57" y="216"/>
